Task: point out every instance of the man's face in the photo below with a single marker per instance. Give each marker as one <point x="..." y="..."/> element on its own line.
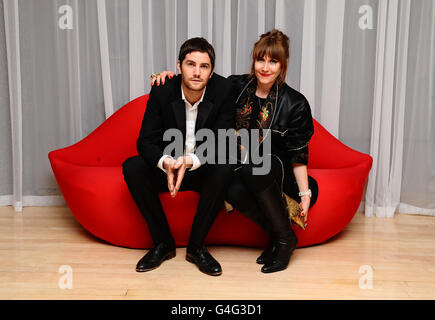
<point x="195" y="70"/>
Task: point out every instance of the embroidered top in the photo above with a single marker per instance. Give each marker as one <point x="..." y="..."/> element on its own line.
<point x="254" y="112"/>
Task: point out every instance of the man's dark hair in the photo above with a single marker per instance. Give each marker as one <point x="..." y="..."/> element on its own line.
<point x="196" y="44"/>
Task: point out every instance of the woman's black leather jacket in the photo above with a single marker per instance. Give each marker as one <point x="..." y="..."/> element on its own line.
<point x="292" y="123"/>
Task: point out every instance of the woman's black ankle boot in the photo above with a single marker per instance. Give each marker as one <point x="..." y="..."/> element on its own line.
<point x="283" y="249"/>
<point x="284" y="239"/>
<point x="267" y="255"/>
<point x="259" y="218"/>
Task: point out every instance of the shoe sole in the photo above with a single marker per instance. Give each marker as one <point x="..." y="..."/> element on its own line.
<point x="167" y="257"/>
<point x="191" y="260"/>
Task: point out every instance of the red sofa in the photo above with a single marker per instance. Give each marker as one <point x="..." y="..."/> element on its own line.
<point x="89" y="174"/>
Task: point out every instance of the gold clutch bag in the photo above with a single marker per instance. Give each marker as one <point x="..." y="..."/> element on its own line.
<point x="294" y="211"/>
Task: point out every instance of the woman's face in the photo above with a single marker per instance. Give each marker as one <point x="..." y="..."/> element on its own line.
<point x="267" y="70"/>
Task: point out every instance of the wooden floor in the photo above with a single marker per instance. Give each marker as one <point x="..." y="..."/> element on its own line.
<point x="398" y="253"/>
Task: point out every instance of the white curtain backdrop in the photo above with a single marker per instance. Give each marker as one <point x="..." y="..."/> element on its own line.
<point x="366" y="67"/>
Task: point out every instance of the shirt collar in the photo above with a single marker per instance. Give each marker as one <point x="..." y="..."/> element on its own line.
<point x="196" y="103"/>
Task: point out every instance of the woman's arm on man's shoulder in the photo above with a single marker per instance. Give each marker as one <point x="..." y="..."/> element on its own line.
<point x="160" y="78"/>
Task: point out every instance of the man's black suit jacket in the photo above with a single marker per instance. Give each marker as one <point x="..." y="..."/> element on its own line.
<point x="166" y="110"/>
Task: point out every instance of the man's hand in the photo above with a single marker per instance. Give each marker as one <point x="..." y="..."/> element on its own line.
<point x="175" y="170"/>
<point x="180" y="167"/>
<point x="168" y="164"/>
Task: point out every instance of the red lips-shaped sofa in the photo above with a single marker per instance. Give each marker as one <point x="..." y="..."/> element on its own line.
<point x="89" y="174"/>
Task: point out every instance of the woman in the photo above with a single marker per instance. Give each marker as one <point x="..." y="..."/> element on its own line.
<point x="265" y="101"/>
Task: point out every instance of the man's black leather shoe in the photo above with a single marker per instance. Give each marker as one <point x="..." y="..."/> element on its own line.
<point x="155" y="256"/>
<point x="204" y="261"/>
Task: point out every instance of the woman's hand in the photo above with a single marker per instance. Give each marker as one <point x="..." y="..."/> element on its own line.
<point x="160" y="77"/>
<point x="305" y="205"/>
<point x="301" y="174"/>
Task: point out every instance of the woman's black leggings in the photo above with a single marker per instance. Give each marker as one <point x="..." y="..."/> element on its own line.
<point x="241" y="193"/>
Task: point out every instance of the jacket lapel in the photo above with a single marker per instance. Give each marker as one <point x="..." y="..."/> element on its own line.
<point x="204" y="109"/>
<point x="179" y="108"/>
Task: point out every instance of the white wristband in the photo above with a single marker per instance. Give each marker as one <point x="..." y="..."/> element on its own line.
<point x="305" y="193"/>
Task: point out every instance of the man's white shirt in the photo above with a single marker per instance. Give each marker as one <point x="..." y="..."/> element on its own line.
<point x="190" y="144"/>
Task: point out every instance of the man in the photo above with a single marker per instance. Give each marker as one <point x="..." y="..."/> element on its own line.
<point x="195" y="99"/>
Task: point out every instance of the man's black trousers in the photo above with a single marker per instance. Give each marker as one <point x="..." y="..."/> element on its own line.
<point x="145" y="182"/>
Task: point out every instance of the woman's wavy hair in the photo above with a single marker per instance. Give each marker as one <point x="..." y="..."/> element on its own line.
<point x="276" y="45"/>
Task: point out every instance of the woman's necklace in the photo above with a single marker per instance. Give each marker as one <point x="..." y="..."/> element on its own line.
<point x="263" y="110"/>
